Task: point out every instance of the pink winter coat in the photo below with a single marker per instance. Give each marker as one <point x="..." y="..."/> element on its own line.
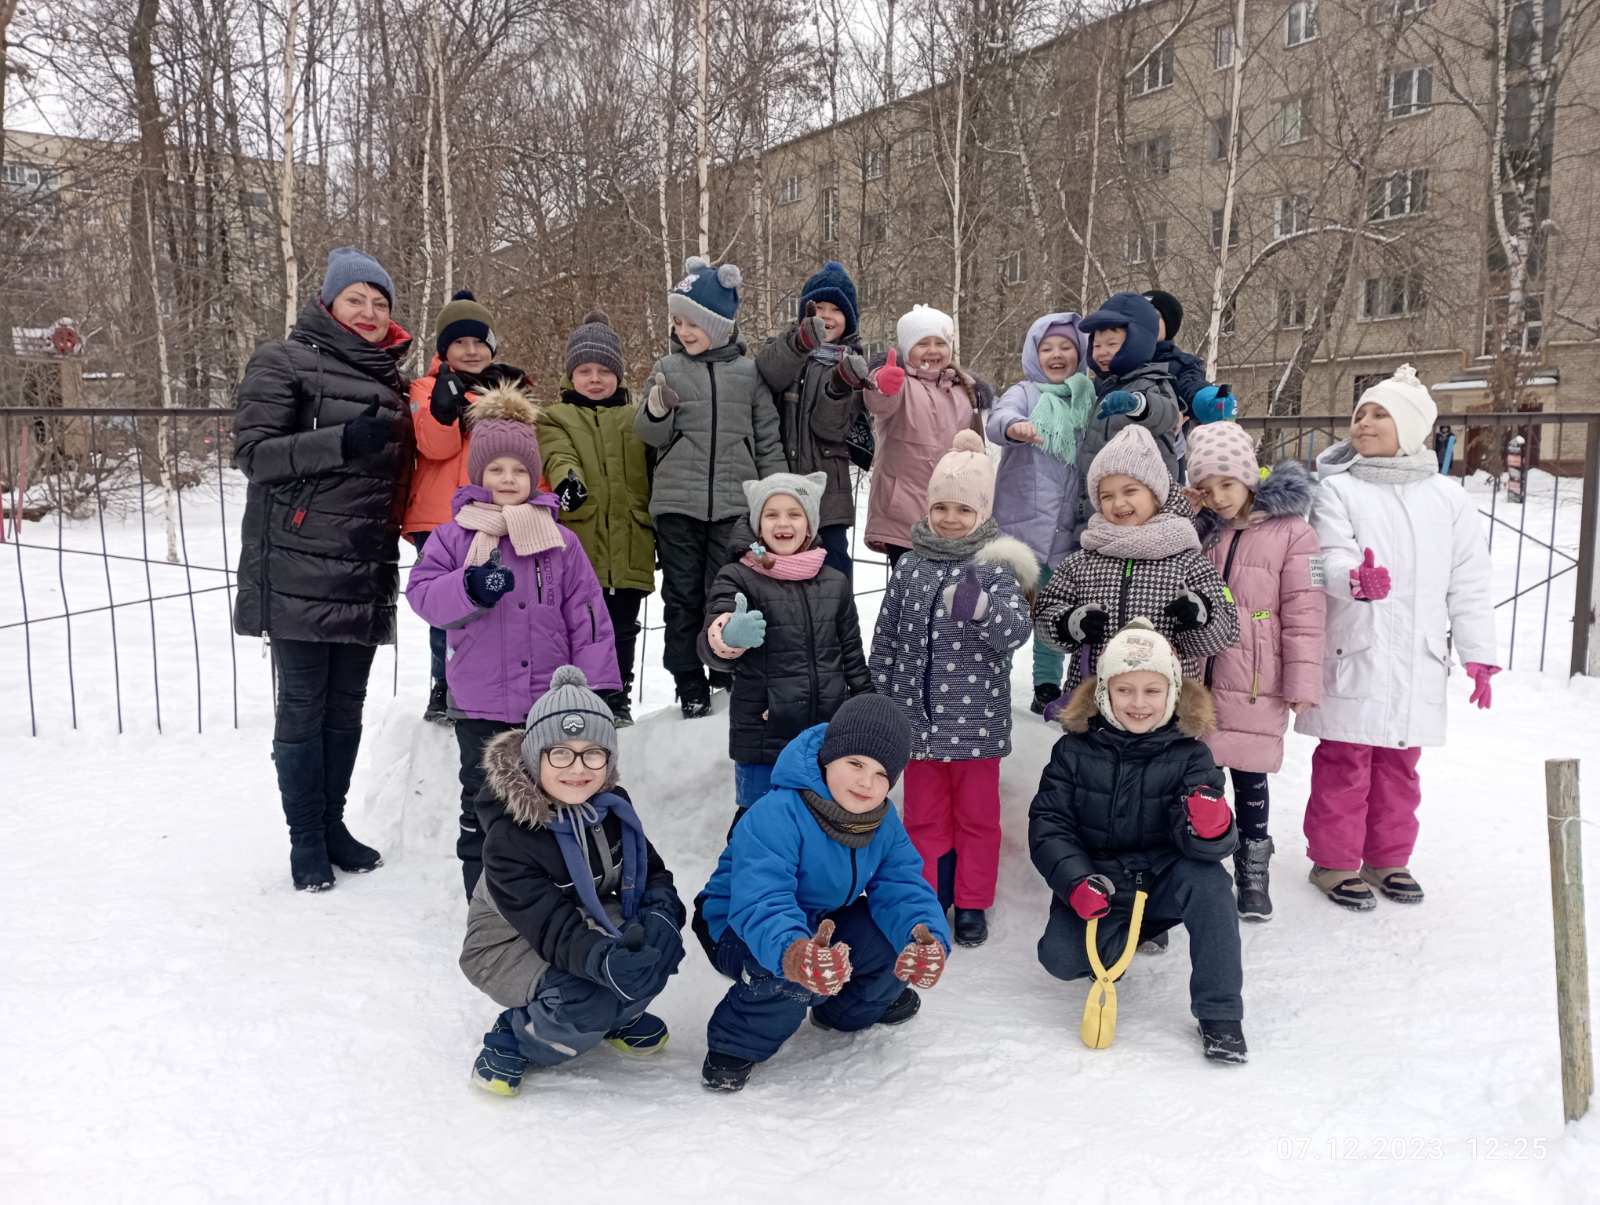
<point x="913" y="429"/>
<point x="1273" y="567"/>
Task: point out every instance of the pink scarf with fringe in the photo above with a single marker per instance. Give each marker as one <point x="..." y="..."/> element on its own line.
<point x="530" y="527"/>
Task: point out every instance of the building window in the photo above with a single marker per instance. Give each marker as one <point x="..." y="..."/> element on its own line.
<point x="1153" y="156"/>
<point x="1149" y="243"/>
<point x="1219" y="135"/>
<point x="26" y="175"/>
<point x="1294" y="120"/>
<point x="1399" y="195"/>
<point x="873" y="164"/>
<point x="1134" y="253"/>
<point x="921" y="146"/>
<point x="789" y="190"/>
<point x="1496" y="313"/>
<point x="1394" y="10"/>
<point x="830" y="215"/>
<point x="868" y="291"/>
<point x="1222" y="47"/>
<point x="1216" y="231"/>
<point x="1291" y="309"/>
<point x="1155" y="73"/>
<point x="1409" y="91"/>
<point x="876" y="348"/>
<point x="1300" y="23"/>
<point x="1291" y="215"/>
<point x="1011" y="269"/>
<point x="874" y="227"/>
<point x="789" y="309"/>
<point x="1397" y="296"/>
<point x="1230" y="317"/>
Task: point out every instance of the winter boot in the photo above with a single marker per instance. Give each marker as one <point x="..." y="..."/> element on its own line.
<point x="1224" y="1041"/>
<point x="1250" y="877"/>
<point x="339" y="749"/>
<point x="1044" y="694"/>
<point x="904" y="1006"/>
<point x="499" y="1067"/>
<point x="300" y="787"/>
<point x="621" y="707"/>
<point x="694" y="696"/>
<point x="946" y="871"/>
<point x="438" y="708"/>
<point x="1395" y="882"/>
<point x="642" y="1037"/>
<point x="971" y="927"/>
<point x="1344" y="888"/>
<point x="725" y="1072"/>
<point x="720" y="681"/>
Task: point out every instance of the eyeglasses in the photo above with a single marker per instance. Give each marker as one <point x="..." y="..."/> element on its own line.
<point x="562" y="757"/>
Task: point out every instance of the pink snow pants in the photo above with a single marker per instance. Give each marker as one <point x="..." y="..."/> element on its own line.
<point x="1363" y="805"/>
<point x="955" y="805"/>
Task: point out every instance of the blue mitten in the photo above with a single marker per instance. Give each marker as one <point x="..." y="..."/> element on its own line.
<point x="745" y="629"/>
<point x="1121" y="401"/>
<point x="486" y="583"/>
<point x="1214" y="404"/>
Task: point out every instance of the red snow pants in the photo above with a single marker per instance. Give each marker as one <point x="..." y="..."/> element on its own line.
<point x="955" y="805"/>
<point x="1363" y="805"/>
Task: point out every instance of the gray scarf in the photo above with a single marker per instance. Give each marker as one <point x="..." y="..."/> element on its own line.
<point x="1380" y="470"/>
<point x="936" y="548"/>
<point x="852" y="829"/>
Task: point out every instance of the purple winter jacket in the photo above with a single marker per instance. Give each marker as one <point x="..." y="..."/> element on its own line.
<point x="500" y="659"/>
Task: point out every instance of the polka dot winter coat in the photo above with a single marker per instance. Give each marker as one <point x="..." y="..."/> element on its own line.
<point x="954" y="677"/>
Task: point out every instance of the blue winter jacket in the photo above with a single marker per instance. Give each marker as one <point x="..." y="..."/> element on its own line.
<point x="1188" y="372"/>
<point x="781" y="873"/>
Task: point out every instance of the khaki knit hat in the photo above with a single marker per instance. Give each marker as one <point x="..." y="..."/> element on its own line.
<point x="1137" y="647"/>
<point x="965" y="474"/>
<point x="464" y="317"/>
<point x="1132" y="452"/>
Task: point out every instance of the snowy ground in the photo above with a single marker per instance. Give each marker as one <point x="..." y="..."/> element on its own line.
<point x="177" y="1023"/>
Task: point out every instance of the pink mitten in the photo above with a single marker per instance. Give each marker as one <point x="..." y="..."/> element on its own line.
<point x="1480" y="674"/>
<point x="1369" y="582"/>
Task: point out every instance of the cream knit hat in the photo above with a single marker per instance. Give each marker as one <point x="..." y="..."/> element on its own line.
<point x="965" y="474"/>
<point x="1409" y="403"/>
<point x="1137" y="647"/>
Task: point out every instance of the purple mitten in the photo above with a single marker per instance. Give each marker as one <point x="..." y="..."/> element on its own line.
<point x="966" y="600"/>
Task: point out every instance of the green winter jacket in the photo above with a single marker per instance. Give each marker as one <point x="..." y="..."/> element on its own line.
<point x="595" y="440"/>
<point x="724" y="433"/>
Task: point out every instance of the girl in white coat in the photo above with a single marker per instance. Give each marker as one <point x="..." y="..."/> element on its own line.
<point x="1404" y="559"/>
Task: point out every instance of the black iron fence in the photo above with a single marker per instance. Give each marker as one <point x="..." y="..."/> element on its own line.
<point x="121" y="526"/>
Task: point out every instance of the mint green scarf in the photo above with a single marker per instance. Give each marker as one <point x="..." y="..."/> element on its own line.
<point x="1062" y="414"/>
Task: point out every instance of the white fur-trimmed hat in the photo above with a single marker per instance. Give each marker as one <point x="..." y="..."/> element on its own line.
<point x="1137" y="647"/>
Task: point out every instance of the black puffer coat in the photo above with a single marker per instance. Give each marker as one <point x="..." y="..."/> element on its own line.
<point x="320" y="542"/>
<point x="811" y="662"/>
<point x="813" y="422"/>
<point x="1111" y="802"/>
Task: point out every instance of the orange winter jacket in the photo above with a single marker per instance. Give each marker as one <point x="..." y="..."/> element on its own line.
<point x="442" y="450"/>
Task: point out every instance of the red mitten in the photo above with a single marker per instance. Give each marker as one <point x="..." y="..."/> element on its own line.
<point x="1370" y="582"/>
<point x="1208" y="812"/>
<point x="922" y="961"/>
<point x="1092" y="897"/>
<point x="889" y="379"/>
<point x="821" y="969"/>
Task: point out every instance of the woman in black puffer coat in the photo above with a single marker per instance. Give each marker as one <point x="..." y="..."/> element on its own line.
<point x="794" y="646"/>
<point x="323" y="435"/>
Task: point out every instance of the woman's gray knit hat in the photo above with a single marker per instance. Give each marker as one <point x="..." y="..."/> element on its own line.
<point x="568" y="711"/>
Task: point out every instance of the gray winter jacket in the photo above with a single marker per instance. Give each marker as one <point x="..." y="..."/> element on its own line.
<point x="812" y="421"/>
<point x="724" y="433"/>
<point x="1161" y="416"/>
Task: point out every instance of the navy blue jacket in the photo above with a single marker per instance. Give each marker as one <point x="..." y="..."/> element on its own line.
<point x="1188" y="372"/>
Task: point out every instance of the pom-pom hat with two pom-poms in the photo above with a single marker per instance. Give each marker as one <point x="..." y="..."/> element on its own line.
<point x="708" y="297"/>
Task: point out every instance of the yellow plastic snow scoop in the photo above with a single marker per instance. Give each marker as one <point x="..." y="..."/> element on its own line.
<point x="1100" y="1009"/>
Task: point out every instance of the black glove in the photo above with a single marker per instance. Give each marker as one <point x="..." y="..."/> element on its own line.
<point x="1187" y="611"/>
<point x="486" y="583"/>
<point x="449" y="395"/>
<point x="1086" y="624"/>
<point x="366" y="433"/>
<point x="627" y="965"/>
<point x="572" y="492"/>
<point x="982" y="393"/>
<point x="662" y="936"/>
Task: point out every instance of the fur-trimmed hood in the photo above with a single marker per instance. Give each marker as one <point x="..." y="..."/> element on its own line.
<point x="519" y="792"/>
<point x="1014" y="555"/>
<point x="506" y="402"/>
<point x="1196" y="715"/>
<point x="1285" y="492"/>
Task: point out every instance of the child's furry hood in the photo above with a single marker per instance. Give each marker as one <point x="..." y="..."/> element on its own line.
<point x="1285" y="492"/>
<point x="519" y="792"/>
<point x="1196" y="714"/>
<point x="1014" y="555"/>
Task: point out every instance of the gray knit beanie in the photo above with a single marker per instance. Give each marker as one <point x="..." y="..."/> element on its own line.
<point x="352" y="266"/>
<point x="1132" y="452"/>
<point x="595" y="343"/>
<point x="568" y="711"/>
<point x="869" y="726"/>
<point x="806" y="490"/>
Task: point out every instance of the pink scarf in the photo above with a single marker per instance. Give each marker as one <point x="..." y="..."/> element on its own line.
<point x="1165" y="534"/>
<point x="530" y="527"/>
<point x="796" y="567"/>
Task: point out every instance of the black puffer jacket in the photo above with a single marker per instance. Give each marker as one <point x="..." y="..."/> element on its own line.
<point x="1111" y="802"/>
<point x="811" y="662"/>
<point x="812" y="421"/>
<point x="320" y="542"/>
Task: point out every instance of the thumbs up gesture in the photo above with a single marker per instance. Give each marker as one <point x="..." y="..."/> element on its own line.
<point x="966" y="599"/>
<point x="810" y="332"/>
<point x="820" y="968"/>
<point x="891" y="378"/>
<point x="921" y="960"/>
<point x="745" y="629"/>
<point x="1370" y="581"/>
<point x="662" y="398"/>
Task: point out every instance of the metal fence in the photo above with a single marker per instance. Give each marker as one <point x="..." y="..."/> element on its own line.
<point x="95" y="500"/>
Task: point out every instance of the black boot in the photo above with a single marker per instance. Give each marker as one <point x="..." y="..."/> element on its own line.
<point x="904" y="1006"/>
<point x="300" y="788"/>
<point x="694" y="696"/>
<point x="436" y="712"/>
<point x="339" y="749"/>
<point x="1250" y="876"/>
<point x="725" y="1072"/>
<point x="971" y="927"/>
<point x="1044" y="694"/>
<point x="947" y="880"/>
<point x="1223" y="1041"/>
<point x="621" y="707"/>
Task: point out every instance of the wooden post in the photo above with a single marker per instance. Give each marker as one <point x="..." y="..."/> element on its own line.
<point x="1572" y="959"/>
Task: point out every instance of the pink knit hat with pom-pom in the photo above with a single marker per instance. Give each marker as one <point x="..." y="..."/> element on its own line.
<point x="965" y="475"/>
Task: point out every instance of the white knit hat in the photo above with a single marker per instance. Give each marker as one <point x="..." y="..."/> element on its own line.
<point x="1410" y="405"/>
<point x="922" y="321"/>
<point x="965" y="475"/>
<point x="1137" y="647"/>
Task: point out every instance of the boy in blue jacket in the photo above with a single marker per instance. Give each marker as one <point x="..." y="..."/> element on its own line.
<point x="1202" y="401"/>
<point x="823" y="854"/>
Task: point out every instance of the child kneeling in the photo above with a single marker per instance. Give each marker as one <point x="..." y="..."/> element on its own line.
<point x="574" y="926"/>
<point x="1131" y="801"/>
<point x="823" y="854"/>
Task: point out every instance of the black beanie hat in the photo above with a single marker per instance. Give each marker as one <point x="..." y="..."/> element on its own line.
<point x="464" y="317"/>
<point x="869" y="726"/>
<point x="1170" y="309"/>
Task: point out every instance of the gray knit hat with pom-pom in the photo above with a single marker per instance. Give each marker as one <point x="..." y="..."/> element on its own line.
<point x="568" y="711"/>
<point x="595" y="343"/>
